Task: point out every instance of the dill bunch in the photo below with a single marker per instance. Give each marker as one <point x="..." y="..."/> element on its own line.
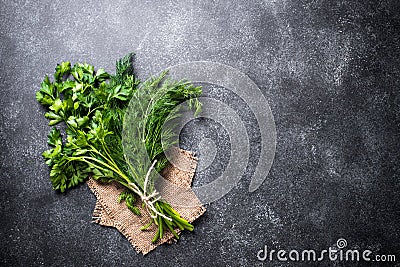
<point x="114" y="125"/>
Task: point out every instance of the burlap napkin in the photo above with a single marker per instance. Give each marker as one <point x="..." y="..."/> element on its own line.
<point x="108" y="212"/>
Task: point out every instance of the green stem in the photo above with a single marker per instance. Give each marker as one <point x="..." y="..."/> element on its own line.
<point x="90" y="111"/>
<point x="88" y="159"/>
<point x="107" y="152"/>
<point x="145" y="227"/>
<point x="169" y="225"/>
<point x="109" y="159"/>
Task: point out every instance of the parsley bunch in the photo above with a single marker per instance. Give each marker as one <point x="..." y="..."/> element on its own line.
<point x="92" y="105"/>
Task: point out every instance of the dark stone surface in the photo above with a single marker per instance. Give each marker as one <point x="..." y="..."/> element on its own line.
<point x="330" y="72"/>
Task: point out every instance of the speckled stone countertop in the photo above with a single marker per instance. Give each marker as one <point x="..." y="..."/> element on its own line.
<point x="329" y="71"/>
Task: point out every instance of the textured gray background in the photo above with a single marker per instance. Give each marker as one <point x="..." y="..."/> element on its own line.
<point x="330" y="72"/>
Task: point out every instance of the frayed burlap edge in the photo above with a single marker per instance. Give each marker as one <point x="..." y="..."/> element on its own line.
<point x="108" y="212"/>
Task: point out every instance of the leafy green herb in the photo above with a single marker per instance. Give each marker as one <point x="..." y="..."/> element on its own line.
<point x="130" y="200"/>
<point x="155" y="102"/>
<point x="92" y="104"/>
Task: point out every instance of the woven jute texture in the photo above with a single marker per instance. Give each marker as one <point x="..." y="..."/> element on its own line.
<point x="108" y="212"/>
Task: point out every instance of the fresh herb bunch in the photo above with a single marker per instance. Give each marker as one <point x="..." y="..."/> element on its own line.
<point x="92" y="104"/>
<point x="146" y="136"/>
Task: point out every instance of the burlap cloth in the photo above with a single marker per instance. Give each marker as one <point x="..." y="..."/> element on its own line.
<point x="108" y="212"/>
